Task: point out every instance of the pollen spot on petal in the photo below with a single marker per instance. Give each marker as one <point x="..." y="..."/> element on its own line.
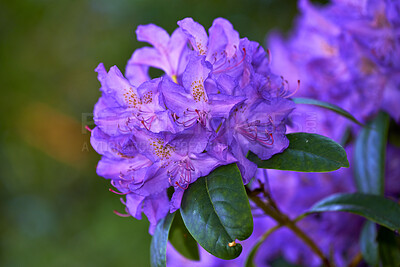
<point x="160" y="150"/>
<point x="197" y="88"/>
<point x="148" y="97"/>
<point x="201" y="48"/>
<point x="131" y="99"/>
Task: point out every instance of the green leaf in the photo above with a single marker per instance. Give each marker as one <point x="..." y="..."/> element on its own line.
<point x="158" y="246"/>
<point x="369" y="244"/>
<point x="389" y="248"/>
<point x="282" y="262"/>
<point x="375" y="208"/>
<point x="369" y="156"/>
<point x="326" y="105"/>
<point x="182" y="240"/>
<point x="216" y="211"/>
<point x="306" y="153"/>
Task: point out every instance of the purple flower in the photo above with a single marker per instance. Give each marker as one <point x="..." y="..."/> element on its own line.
<point x="339" y="50"/>
<point x="217" y="101"/>
<point x="191" y="102"/>
<point x="124" y="106"/>
<point x="168" y="53"/>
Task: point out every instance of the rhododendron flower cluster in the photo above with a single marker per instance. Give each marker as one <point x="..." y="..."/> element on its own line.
<point x="216" y="102"/>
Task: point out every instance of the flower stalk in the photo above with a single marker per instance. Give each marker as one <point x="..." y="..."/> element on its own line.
<point x="283" y="220"/>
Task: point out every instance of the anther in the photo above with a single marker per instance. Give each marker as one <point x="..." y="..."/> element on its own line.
<point x="184" y="188"/>
<point x="269" y="56"/>
<point x="295" y="91"/>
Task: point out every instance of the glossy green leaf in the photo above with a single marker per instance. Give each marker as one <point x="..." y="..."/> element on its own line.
<point x="369" y="155"/>
<point x="326" y="105"/>
<point x="182" y="240"/>
<point x="216" y="211"/>
<point x="306" y="153"/>
<point x="282" y="262"/>
<point x="375" y="208"/>
<point x="158" y="247"/>
<point x="389" y="248"/>
<point x="369" y="244"/>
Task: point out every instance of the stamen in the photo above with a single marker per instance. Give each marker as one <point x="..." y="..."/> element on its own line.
<point x="232" y="67"/>
<point x="184" y="188"/>
<point x="232" y="244"/>
<point x="126" y="125"/>
<point x="121" y="214"/>
<point x="144" y="124"/>
<point x="295" y="91"/>
<point x="269" y="56"/>
<point x="118" y="193"/>
<point x="87" y="128"/>
<point x="267" y="142"/>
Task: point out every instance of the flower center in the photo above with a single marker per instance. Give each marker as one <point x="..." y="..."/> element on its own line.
<point x="258" y="131"/>
<point x="180" y="173"/>
<point x="232" y="63"/>
<point x="190" y="117"/>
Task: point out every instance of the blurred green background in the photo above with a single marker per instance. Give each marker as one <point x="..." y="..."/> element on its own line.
<point x="55" y="210"/>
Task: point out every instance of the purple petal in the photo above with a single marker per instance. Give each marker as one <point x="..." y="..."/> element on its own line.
<point x="191" y="140"/>
<point x="223" y="104"/>
<point x="156" y="207"/>
<point x="112" y="169"/>
<point x="194" y="76"/>
<point x="176" y="199"/>
<point x="196" y="33"/>
<point x="178" y="51"/>
<point x="247" y="168"/>
<point x="176" y="99"/>
<point x="151" y="57"/>
<point x="154" y="35"/>
<point x="155" y="180"/>
<point x="204" y="163"/>
<point x="134" y="205"/>
<point x="222" y="37"/>
<point x="136" y="74"/>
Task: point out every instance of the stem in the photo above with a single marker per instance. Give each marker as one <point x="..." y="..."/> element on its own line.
<point x="282" y="219"/>
<point x="356" y="260"/>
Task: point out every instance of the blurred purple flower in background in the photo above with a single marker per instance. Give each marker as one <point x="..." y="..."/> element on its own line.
<point x="216" y="102"/>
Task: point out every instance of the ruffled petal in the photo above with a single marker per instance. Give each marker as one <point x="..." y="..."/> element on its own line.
<point x="196" y="33"/>
<point x="134" y="204"/>
<point x="156" y="207"/>
<point x="136" y="73"/>
<point x="151" y="57"/>
<point x="222" y="38"/>
<point x="178" y="52"/>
